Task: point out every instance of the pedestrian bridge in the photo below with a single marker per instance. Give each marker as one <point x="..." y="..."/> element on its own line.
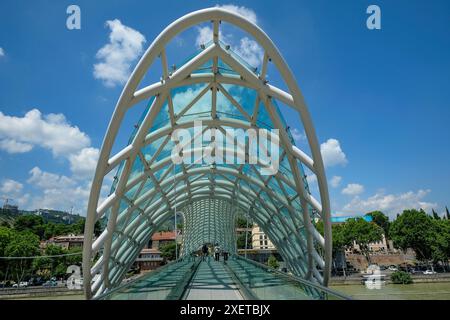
<point x="215" y="91"/>
<point x="238" y="279"/>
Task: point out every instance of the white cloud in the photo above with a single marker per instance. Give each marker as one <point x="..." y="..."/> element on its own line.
<point x="246" y="48"/>
<point x="335" y="181"/>
<point x="2" y="52"/>
<point x="353" y="189"/>
<point x="312" y="178"/>
<point x="58" y="191"/>
<point x="11" y="187"/>
<point x="297" y="135"/>
<point x="12" y="146"/>
<point x="390" y="203"/>
<point x="182" y="99"/>
<point x="46" y="180"/>
<point x="205" y="35"/>
<point x="247" y="13"/>
<point x="52" y="131"/>
<point x="53" y="191"/>
<point x="13" y="190"/>
<point x="84" y="163"/>
<point x="332" y="153"/>
<point x="23" y="200"/>
<point x="124" y="47"/>
<point x="250" y="51"/>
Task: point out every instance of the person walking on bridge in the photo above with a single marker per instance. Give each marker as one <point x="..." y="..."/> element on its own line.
<point x="217" y="252"/>
<point x="204" y="251"/>
<point x="225" y="256"/>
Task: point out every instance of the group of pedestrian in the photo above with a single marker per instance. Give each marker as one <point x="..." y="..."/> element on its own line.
<point x="217" y="252"/>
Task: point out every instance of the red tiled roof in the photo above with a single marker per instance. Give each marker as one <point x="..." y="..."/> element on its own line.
<point x="167" y="235"/>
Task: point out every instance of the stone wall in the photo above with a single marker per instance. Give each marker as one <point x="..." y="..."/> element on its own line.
<point x="360" y="262"/>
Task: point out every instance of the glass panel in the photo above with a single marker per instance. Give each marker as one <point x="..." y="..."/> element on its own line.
<point x="263" y="119"/>
<point x="262" y="282"/>
<point x="165" y="283"/>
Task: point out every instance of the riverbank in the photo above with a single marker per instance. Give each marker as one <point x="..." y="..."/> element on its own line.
<point x="417" y="278"/>
<point x="415" y="291"/>
<point x="53" y="297"/>
<point x="41" y="293"/>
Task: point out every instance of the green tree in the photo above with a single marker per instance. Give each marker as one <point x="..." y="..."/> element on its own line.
<point x="401" y="277"/>
<point x="435" y="215"/>
<point x="23" y="244"/>
<point x="242" y="222"/>
<point x="168" y="251"/>
<point x="381" y="220"/>
<point x="74" y="259"/>
<point x="440" y="242"/>
<point x="49" y="230"/>
<point x="240" y="241"/>
<point x="60" y="270"/>
<point x="273" y="262"/>
<point x="78" y="227"/>
<point x="340" y="237"/>
<point x="42" y="266"/>
<point x="55" y="250"/>
<point x="363" y="233"/>
<point x="6" y="234"/>
<point x="98" y="229"/>
<point x="447" y="213"/>
<point x="32" y="223"/>
<point x="414" y="229"/>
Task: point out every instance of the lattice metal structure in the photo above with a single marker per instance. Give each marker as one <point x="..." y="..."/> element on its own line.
<point x="224" y="92"/>
<point x="209" y="221"/>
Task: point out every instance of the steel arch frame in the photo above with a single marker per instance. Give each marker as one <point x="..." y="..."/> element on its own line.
<point x="303" y="248"/>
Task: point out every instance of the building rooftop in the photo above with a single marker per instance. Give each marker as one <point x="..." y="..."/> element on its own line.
<point x="163" y="235"/>
<point x="341" y="219"/>
<point x="70" y="237"/>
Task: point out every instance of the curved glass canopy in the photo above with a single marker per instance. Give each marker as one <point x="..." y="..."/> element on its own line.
<point x="218" y="88"/>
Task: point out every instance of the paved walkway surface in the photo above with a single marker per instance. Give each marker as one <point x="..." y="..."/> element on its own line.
<point x="212" y="282"/>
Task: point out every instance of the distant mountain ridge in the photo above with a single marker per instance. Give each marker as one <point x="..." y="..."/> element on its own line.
<point x="8" y="216"/>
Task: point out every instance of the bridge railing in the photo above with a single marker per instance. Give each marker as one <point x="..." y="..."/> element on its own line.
<point x="165" y="283"/>
<point x="265" y="283"/>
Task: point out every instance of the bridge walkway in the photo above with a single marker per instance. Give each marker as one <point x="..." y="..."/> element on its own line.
<point x="237" y="279"/>
<point x="212" y="281"/>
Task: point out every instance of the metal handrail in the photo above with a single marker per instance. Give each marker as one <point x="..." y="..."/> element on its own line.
<point x="180" y="290"/>
<point x="245" y="291"/>
<point x="295" y="278"/>
<point x="129" y="283"/>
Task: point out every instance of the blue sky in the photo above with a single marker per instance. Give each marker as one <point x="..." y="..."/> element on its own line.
<point x="379" y="99"/>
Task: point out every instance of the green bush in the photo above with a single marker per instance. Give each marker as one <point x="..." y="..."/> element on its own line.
<point x="273" y="262"/>
<point x="401" y="277"/>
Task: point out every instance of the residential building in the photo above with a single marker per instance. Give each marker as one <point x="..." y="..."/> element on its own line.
<point x="260" y="241"/>
<point x="149" y="259"/>
<point x="163" y="237"/>
<point x="68" y="241"/>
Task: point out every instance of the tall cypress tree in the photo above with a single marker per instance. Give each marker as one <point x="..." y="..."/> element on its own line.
<point x="435" y="215"/>
<point x="448" y="213"/>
